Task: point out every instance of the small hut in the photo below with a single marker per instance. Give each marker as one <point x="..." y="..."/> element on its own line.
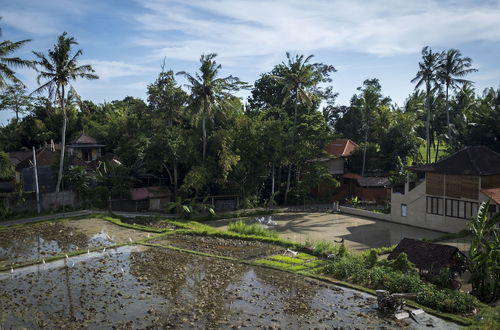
<point x="430" y="257"/>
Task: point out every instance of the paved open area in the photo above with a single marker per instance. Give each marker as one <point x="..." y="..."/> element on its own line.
<point x="358" y="233"/>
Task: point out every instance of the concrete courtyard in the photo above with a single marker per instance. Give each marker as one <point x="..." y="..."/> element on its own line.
<point x="359" y="233"/>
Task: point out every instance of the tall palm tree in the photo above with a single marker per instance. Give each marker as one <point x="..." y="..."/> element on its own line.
<point x="58" y="69"/>
<point x="6" y="73"/>
<point x="427" y="75"/>
<point x="210" y="93"/>
<point x="298" y="77"/>
<point x="452" y="69"/>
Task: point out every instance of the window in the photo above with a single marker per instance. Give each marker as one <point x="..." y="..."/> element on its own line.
<point x="460" y="209"/>
<point x="404" y="210"/>
<point x="435" y="205"/>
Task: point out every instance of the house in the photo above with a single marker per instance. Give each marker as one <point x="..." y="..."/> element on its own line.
<point x="351" y="184"/>
<point x="341" y="149"/>
<point x="143" y="199"/>
<point x="85" y="148"/>
<point x="430" y="257"/>
<point x="445" y="195"/>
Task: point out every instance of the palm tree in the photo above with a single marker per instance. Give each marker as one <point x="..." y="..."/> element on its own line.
<point x="427" y="75"/>
<point x="452" y="69"/>
<point x="59" y="68"/>
<point x="6" y="73"/>
<point x="209" y="93"/>
<point x="298" y="76"/>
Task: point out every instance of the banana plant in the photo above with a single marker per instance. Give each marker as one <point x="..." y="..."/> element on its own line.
<point x="484" y="255"/>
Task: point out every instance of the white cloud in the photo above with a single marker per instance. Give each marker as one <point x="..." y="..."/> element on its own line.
<point x="114" y="69"/>
<point x="237" y="29"/>
<point x="37" y="23"/>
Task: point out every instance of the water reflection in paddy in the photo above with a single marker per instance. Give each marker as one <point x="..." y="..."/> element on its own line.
<point x="138" y="287"/>
<point x="43" y="240"/>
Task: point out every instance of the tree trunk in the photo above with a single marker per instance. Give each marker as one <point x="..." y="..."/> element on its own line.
<point x="288" y="179"/>
<point x="448" y="116"/>
<point x="272" y="183"/>
<point x="437" y="151"/>
<point x="427" y="128"/>
<point x="289" y="176"/>
<point x="364" y="152"/>
<point x="204" y="136"/>
<point x="175" y="178"/>
<point x="63" y="141"/>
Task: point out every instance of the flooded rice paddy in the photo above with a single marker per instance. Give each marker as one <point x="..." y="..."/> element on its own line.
<point x="239" y="249"/>
<point x="136" y="286"/>
<point x="44" y="240"/>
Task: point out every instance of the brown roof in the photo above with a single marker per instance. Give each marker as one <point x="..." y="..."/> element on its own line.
<point x="477" y="161"/>
<point x="148" y="192"/>
<point x="493" y="194"/>
<point x="341" y="147"/>
<point x="18" y="156"/>
<point x="44" y="157"/>
<point x="425" y="255"/>
<point x="85" y="139"/>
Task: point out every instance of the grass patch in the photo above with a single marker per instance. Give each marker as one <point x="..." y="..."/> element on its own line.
<point x="238" y="214"/>
<point x="288" y="260"/>
<point x="118" y="222"/>
<point x="255" y="229"/>
<point x="444" y="237"/>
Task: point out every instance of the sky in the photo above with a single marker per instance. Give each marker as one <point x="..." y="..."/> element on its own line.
<point x="126" y="41"/>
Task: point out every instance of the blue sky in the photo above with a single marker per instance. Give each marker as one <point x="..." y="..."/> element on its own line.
<point x="126" y="41"/>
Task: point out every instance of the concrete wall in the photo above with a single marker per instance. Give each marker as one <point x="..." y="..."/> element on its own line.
<point x="48" y="201"/>
<point x="415" y="201"/>
<point x="365" y="213"/>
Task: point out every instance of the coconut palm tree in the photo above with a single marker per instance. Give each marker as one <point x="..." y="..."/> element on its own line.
<point x="298" y="77"/>
<point x="427" y="75"/>
<point x="6" y="62"/>
<point x="58" y="68"/>
<point x="210" y="93"/>
<point x="452" y="69"/>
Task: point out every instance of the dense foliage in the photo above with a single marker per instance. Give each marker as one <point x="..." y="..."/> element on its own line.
<point x="203" y="140"/>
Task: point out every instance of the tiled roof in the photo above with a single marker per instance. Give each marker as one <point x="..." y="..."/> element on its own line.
<point x="477" y="161"/>
<point x="341" y="147"/>
<point x="85" y="139"/>
<point x="425" y="255"/>
<point x="18" y="156"/>
<point x="493" y="194"/>
<point x="44" y="157"/>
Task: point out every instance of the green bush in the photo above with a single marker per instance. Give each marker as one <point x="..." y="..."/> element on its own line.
<point x="388" y="275"/>
<point x="324" y="248"/>
<point x="256" y="229"/>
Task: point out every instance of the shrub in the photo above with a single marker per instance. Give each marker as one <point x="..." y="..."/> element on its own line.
<point x="371" y="259"/>
<point x="256" y="229"/>
<point x="324" y="248"/>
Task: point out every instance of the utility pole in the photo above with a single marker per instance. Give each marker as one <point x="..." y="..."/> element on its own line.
<point x="36" y="182"/>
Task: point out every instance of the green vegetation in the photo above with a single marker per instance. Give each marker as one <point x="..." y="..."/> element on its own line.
<point x="484" y="255"/>
<point x="254" y="229"/>
<point x="399" y="276"/>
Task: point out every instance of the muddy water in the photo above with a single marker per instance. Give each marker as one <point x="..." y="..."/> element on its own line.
<point x="239" y="249"/>
<point x="48" y="239"/>
<point x="137" y="287"/>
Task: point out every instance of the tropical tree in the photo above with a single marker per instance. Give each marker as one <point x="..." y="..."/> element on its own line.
<point x="7" y="47"/>
<point x="369" y="100"/>
<point x="450" y="72"/>
<point x="210" y="93"/>
<point x="14" y="98"/>
<point x="484" y="255"/>
<point x="298" y="77"/>
<point x="58" y="69"/>
<point x="427" y="75"/>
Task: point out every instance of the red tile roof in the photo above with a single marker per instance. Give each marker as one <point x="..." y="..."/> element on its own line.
<point x="493" y="193"/>
<point x="341" y="147"/>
